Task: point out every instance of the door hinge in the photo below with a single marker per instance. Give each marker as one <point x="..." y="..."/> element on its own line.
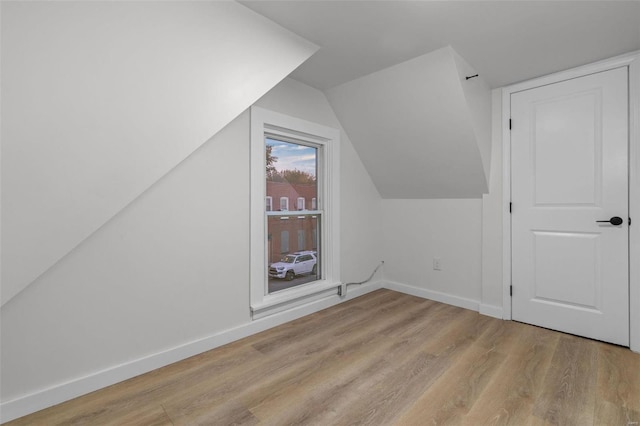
<point x="510" y="207"/>
<point x="509" y="124"/>
<point x="510" y="290"/>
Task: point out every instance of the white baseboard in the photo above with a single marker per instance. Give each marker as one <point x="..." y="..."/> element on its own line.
<point x="57" y="394"/>
<point x="491" y="311"/>
<point x="488" y="310"/>
<point x="437" y="296"/>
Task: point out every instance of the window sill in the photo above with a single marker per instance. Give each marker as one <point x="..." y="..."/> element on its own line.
<point x="287" y="299"/>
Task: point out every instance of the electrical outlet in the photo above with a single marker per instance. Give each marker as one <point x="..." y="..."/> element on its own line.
<point x="437" y="264"/>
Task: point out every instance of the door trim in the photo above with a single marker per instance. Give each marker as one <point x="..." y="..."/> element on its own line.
<point x="632" y="61"/>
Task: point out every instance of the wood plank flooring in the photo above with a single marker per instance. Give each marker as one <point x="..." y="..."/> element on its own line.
<point x="385" y="358"/>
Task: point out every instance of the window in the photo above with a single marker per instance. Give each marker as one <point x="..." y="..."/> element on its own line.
<point x="284" y="242"/>
<point x="293" y="170"/>
<point x="269" y="203"/>
<point x="298" y="160"/>
<point x="284" y="204"/>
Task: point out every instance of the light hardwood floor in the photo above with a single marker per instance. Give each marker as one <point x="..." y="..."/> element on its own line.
<point x="382" y="359"/>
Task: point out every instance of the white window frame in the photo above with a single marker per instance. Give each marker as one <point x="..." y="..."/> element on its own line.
<point x="264" y="122"/>
<point x="300" y="203"/>
<point x="269" y="203"/>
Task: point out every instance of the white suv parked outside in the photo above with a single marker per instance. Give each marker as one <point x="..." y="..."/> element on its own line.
<point x="298" y="263"/>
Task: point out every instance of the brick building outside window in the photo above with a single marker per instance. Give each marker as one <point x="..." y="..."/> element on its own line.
<point x="299" y="231"/>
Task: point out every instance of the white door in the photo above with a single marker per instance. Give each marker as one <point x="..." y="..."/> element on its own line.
<point x="569" y="171"/>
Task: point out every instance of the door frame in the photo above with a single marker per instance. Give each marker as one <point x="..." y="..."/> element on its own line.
<point x="632" y="61"/>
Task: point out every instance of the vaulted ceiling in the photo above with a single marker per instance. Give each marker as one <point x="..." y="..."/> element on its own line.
<point x="505" y="41"/>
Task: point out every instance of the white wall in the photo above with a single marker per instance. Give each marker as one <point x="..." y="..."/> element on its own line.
<point x="466" y="234"/>
<point x="416" y="127"/>
<point x="172" y="267"/>
<point x="101" y="99"/>
<point x="492" y="216"/>
<point x="416" y="231"/>
<point x="478" y="96"/>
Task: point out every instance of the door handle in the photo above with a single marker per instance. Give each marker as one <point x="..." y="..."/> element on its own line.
<point x="616" y="220"/>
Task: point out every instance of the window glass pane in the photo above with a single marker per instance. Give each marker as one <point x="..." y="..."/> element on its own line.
<point x="301" y="239"/>
<point x="291" y="178"/>
<point x="291" y="268"/>
<point x="284" y="242"/>
<point x="291" y="174"/>
<point x="284" y="204"/>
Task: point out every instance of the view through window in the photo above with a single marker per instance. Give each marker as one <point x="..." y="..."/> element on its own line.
<point x="293" y="223"/>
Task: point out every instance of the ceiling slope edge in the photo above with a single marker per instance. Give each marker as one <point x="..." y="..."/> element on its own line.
<point x="100" y="100"/>
<point x="415" y="128"/>
<point x="477" y="94"/>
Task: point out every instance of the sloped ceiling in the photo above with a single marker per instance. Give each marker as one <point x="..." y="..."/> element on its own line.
<point x="505" y="41"/>
<point x="101" y="99"/>
<point x="420" y="127"/>
<point x="420" y="133"/>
